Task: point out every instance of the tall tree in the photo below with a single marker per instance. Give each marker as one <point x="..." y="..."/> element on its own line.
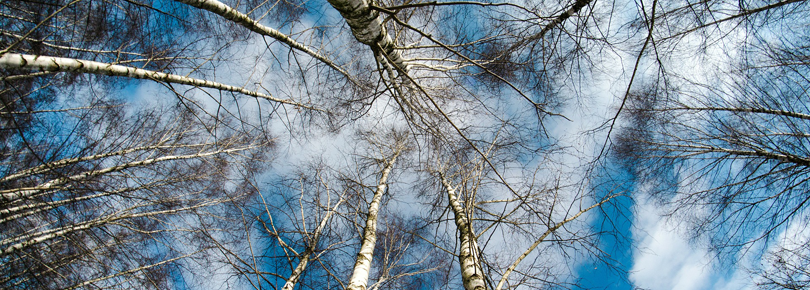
<point x="99" y="196"/>
<point x="726" y="147"/>
<point x="484" y="94"/>
<point x="406" y="70"/>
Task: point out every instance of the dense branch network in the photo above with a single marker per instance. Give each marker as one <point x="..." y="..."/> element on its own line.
<point x="442" y="126"/>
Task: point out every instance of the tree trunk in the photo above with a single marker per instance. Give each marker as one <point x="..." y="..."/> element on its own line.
<point x="367" y="26"/>
<point x="307" y="255"/>
<point x="296" y="274"/>
<point x="472" y="274"/>
<point x="362" y="266"/>
<point x="18" y="193"/>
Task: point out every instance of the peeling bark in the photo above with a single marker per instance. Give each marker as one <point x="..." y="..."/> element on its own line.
<point x="368" y="28"/>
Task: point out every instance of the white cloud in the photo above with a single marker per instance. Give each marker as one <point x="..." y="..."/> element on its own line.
<point x="666" y="260"/>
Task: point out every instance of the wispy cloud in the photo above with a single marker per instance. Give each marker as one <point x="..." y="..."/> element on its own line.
<point x="665" y="259"/>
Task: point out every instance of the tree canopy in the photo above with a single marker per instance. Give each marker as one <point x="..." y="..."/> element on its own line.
<point x="356" y="144"/>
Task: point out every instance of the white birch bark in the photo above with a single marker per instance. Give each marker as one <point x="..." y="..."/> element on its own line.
<point x="299" y="269"/>
<point x="17" y="193"/>
<point x="27" y="240"/>
<point x="68" y="161"/>
<point x="472" y="274"/>
<point x="307" y="255"/>
<point x="61" y="64"/>
<point x="362" y="266"/>
<point x="30" y="209"/>
<point x="132" y="271"/>
<point x="368" y="28"/>
<point x="244" y="20"/>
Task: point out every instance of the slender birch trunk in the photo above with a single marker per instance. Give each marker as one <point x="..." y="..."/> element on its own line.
<point x="306" y="256"/>
<point x="132" y="271"/>
<point x="24" y="210"/>
<point x="50" y="166"/>
<point x="61" y="64"/>
<point x="299" y="269"/>
<point x="362" y="266"/>
<point x="542" y="238"/>
<point x="18" y="193"/>
<point x="11" y="245"/>
<point x="472" y="274"/>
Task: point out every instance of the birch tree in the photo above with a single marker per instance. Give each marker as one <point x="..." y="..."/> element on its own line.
<point x="472" y="274"/>
<point x="362" y="265"/>
<point x="726" y="149"/>
<point x="486" y="79"/>
<point x="108" y="209"/>
<point x="540" y="217"/>
<point x="299" y="219"/>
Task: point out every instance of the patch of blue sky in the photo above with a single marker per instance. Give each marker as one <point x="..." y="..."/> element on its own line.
<point x="173" y="15"/>
<point x="177" y="277"/>
<point x="613" y="224"/>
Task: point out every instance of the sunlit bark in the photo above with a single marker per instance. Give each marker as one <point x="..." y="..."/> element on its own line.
<point x="542" y="238"/>
<point x="18" y="193"/>
<point x="307" y="255"/>
<point x="11" y="245"/>
<point x="61" y="64"/>
<point x="472" y="275"/>
<point x="362" y="265"/>
<point x="229" y="13"/>
<point x="368" y="28"/>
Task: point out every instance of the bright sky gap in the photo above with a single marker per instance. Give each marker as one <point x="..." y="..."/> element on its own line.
<point x="357" y="144"/>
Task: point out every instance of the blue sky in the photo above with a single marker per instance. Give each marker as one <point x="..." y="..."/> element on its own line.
<point x="643" y="249"/>
<point x="650" y="253"/>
